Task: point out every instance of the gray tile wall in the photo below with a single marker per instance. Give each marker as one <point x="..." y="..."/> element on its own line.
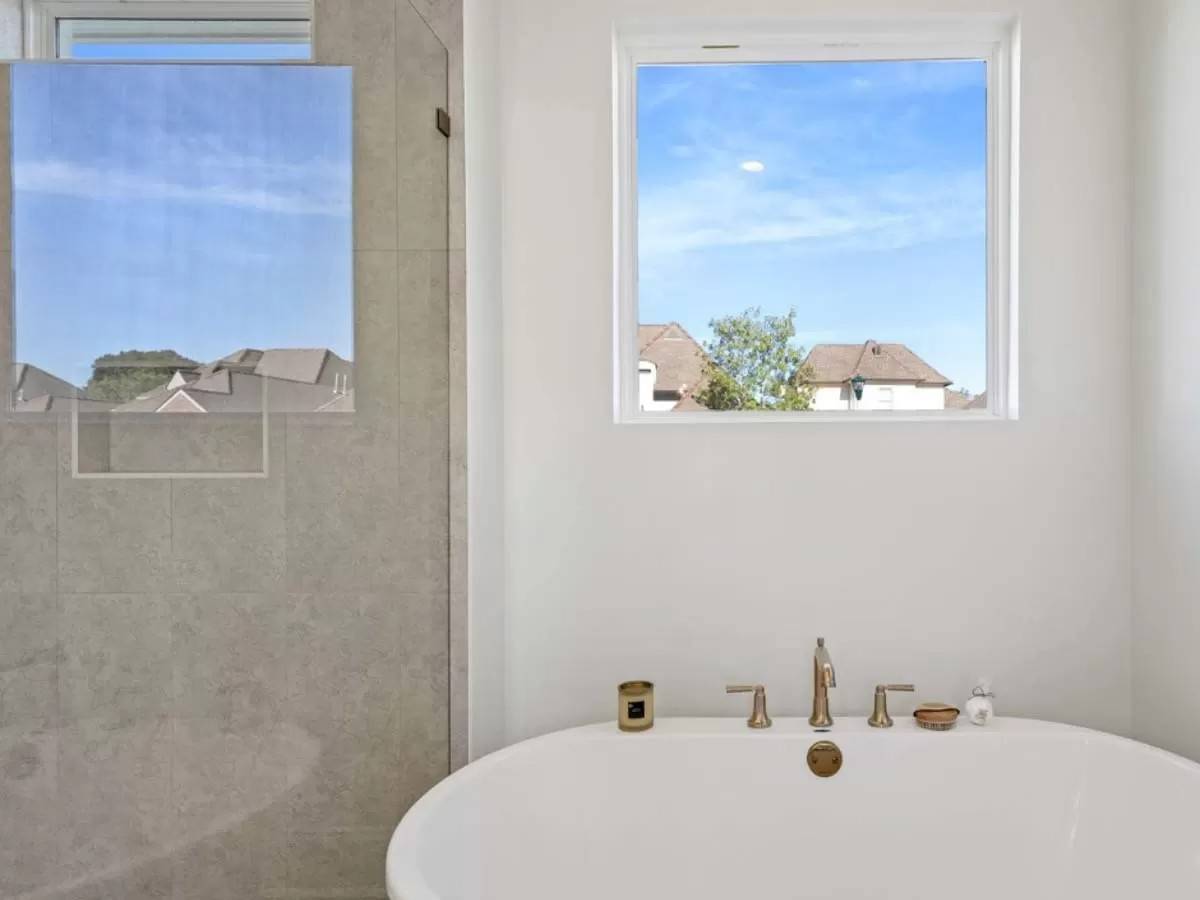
<point x="234" y="689"/>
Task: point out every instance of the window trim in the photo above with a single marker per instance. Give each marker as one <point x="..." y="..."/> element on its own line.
<point x="42" y="16"/>
<point x="995" y="39"/>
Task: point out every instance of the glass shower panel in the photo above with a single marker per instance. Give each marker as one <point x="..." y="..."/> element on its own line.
<point x="219" y="687"/>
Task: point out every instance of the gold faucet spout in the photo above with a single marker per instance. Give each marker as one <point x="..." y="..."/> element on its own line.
<point x="824" y="677"/>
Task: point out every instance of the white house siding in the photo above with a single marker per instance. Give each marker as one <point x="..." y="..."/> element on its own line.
<point x="905" y="398"/>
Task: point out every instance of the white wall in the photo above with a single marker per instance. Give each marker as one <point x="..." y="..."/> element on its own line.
<point x="945" y="551"/>
<point x="485" y="380"/>
<point x="1167" y="427"/>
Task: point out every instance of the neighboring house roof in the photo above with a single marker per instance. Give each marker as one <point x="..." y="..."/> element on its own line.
<point x="980" y="402"/>
<point x="47" y="403"/>
<point x="245" y="358"/>
<point x="34" y="382"/>
<point x="293" y="365"/>
<point x="36" y="390"/>
<point x="840" y="363"/>
<point x="233" y="385"/>
<point x="676" y="354"/>
<point x="958" y="399"/>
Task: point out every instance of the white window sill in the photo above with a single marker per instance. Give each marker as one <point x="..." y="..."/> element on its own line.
<point x="933" y="417"/>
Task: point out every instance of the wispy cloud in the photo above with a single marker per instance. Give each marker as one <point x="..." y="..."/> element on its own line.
<point x="840" y="173"/>
<point x="888" y="212"/>
<point x="317" y="190"/>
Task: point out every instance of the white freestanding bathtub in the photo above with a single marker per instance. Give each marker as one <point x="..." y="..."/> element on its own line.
<point x="706" y="808"/>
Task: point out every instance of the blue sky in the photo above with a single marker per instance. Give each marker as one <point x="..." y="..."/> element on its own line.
<point x="198" y="208"/>
<point x="868" y="214"/>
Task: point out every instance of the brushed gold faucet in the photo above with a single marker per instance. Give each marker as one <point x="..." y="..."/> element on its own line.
<point x="823" y="679"/>
<point x="879" y="717"/>
<point x="758" y="717"/>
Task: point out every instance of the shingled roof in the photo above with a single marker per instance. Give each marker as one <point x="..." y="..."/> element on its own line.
<point x="840" y="363"/>
<point x="36" y="390"/>
<point x="297" y="380"/>
<point x="676" y="354"/>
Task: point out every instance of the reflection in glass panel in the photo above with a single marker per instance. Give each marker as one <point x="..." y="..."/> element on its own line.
<point x="182" y="238"/>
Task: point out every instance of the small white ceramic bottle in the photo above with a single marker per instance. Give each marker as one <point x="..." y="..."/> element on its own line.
<point x="979" y="708"/>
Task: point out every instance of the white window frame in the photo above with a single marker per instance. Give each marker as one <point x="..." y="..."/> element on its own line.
<point x="43" y="16"/>
<point x="995" y="39"/>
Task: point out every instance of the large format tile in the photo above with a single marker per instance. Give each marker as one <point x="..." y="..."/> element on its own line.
<point x="114" y="816"/>
<point x="230" y="443"/>
<point x="28" y="792"/>
<point x="424" y="694"/>
<point x="228" y="658"/>
<point x="424" y="440"/>
<point x="344" y="664"/>
<point x="344" y="509"/>
<point x="228" y="535"/>
<point x="113" y="536"/>
<point x="229" y="790"/>
<point x="116" y="656"/>
<point x="423" y="325"/>
<point x="376" y="380"/>
<point x="363" y="34"/>
<point x="148" y="880"/>
<point x="358" y="780"/>
<point x="328" y="864"/>
<point x="247" y="861"/>
<point x="422" y="150"/>
<point x="27" y="506"/>
<point x="28" y="659"/>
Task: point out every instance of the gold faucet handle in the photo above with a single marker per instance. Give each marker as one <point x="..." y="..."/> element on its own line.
<point x="758" y="717"/>
<point x="879" y="715"/>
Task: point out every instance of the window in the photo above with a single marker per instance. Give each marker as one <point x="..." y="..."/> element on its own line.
<point x="169" y="30"/>
<point x="182" y="240"/>
<point x="816" y="225"/>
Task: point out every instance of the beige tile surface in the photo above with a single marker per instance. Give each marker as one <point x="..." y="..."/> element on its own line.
<point x="345" y="514"/>
<point x="363" y="34"/>
<point x="29" y="653"/>
<point x="113" y="536"/>
<point x="228" y="658"/>
<point x="343" y="662"/>
<point x="422" y="150"/>
<point x="28" y="794"/>
<point x="114" y="813"/>
<point x="338" y="863"/>
<point x="28" y="508"/>
<point x="229" y="798"/>
<point x="116" y="656"/>
<point x="377" y="389"/>
<point x="425" y="693"/>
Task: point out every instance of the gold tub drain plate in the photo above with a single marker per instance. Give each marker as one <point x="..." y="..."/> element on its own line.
<point x="824" y="759"/>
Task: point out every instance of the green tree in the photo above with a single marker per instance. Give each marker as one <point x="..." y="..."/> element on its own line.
<point x="119" y="377"/>
<point x="753" y="364"/>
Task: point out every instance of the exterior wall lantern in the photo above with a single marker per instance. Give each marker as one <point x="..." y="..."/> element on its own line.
<point x="858" y="383"/>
